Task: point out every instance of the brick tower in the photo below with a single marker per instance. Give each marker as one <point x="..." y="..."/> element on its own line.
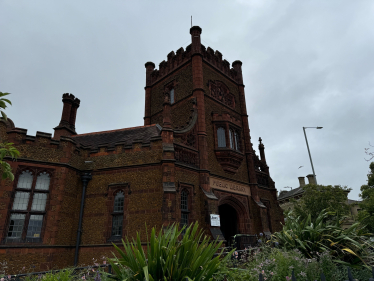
<point x="205" y="116"/>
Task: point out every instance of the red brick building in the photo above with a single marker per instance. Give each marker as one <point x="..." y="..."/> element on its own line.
<point x="192" y="158"/>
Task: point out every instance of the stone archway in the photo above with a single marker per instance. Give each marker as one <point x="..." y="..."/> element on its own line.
<point x="234" y="216"/>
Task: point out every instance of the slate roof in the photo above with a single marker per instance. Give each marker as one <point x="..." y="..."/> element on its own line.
<point x="291" y="193"/>
<point x="350" y="201"/>
<point x="126" y="136"/>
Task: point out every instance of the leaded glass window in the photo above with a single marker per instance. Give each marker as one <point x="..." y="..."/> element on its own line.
<point x="117" y="220"/>
<point x="232" y="139"/>
<point x="221" y="136"/>
<point x="171" y="96"/>
<point x="28" y="209"/>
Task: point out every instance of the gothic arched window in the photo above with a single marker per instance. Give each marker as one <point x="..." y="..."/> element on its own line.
<point x="221" y="136"/>
<point x="28" y="210"/>
<point x="117" y="219"/>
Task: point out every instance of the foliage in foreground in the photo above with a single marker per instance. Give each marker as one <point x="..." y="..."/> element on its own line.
<point x="67" y="274"/>
<point x="276" y="264"/>
<point x="366" y="215"/>
<point x="347" y="246"/>
<point x="168" y="257"/>
<point x="6" y="149"/>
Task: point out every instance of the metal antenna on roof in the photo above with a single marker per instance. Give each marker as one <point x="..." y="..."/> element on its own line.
<point x="191" y="21"/>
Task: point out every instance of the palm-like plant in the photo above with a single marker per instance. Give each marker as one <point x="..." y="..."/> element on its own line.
<point x="347" y="246"/>
<point x="6" y="149"/>
<point x="3" y="103"/>
<point x="168" y="257"/>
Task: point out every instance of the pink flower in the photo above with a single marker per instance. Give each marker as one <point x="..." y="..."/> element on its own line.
<point x="265" y="278"/>
<point x="83" y="277"/>
<point x="23" y="268"/>
<point x="93" y="270"/>
<point x="9" y="276"/>
<point x="96" y="264"/>
<point x="104" y="262"/>
<point x="271" y="273"/>
<point x="288" y="278"/>
<point x="2" y="279"/>
<point x="263" y="272"/>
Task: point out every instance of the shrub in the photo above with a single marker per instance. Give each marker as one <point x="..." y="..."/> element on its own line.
<point x="347" y="246"/>
<point x="277" y="264"/>
<point x="168" y="257"/>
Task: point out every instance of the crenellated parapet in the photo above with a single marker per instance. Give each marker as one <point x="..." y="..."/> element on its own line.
<point x="174" y="60"/>
<point x="214" y="58"/>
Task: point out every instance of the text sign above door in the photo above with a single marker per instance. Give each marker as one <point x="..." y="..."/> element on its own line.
<point x="229" y="186"/>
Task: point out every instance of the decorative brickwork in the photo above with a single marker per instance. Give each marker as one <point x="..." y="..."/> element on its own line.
<point x="162" y="172"/>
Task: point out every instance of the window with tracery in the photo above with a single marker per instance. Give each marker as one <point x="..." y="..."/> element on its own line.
<point x="29" y="207"/>
<point x="117" y="215"/>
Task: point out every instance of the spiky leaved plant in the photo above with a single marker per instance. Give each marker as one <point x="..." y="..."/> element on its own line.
<point x="169" y="257"/>
<point x="347" y="246"/>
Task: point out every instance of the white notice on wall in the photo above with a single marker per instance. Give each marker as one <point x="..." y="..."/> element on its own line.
<point x="214" y="220"/>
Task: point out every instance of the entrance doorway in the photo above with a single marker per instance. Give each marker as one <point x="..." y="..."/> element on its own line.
<point x="229" y="222"/>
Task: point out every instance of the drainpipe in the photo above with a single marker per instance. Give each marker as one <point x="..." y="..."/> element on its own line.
<point x="86" y="177"/>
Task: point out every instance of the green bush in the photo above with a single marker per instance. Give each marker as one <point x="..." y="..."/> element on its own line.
<point x="168" y="257"/>
<point x="277" y="264"/>
<point x="346" y="246"/>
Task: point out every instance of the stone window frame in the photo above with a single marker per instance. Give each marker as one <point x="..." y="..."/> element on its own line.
<point x="228" y="127"/>
<point x="36" y="171"/>
<point x="171" y="86"/>
<point x="113" y="190"/>
<point x="184" y="187"/>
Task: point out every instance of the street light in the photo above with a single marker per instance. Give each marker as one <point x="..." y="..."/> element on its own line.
<point x="310" y="157"/>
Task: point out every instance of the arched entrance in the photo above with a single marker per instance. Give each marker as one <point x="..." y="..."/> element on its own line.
<point x="229" y="221"/>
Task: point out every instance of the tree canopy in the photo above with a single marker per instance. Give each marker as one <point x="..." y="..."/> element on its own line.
<point x="6" y="149"/>
<point x="322" y="197"/>
<point x="366" y="215"/>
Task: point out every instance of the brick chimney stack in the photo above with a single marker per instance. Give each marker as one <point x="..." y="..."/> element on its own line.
<point x="149" y="66"/>
<point x="311" y="179"/>
<point x="301" y="181"/>
<point x="69" y="114"/>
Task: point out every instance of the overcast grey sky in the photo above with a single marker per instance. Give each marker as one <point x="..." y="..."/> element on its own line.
<point x="305" y="63"/>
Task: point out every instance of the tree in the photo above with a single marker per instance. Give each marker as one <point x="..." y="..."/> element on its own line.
<point x="322" y="197"/>
<point x="366" y="215"/>
<point x="6" y="149"/>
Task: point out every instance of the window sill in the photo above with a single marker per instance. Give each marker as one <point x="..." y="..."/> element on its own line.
<point x="115" y="239"/>
<point x="20" y="241"/>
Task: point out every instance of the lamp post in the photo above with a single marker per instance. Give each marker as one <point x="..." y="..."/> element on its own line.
<point x="307" y="145"/>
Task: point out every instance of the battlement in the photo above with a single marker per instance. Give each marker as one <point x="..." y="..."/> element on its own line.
<point x="174" y="60"/>
<point x="214" y="58"/>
